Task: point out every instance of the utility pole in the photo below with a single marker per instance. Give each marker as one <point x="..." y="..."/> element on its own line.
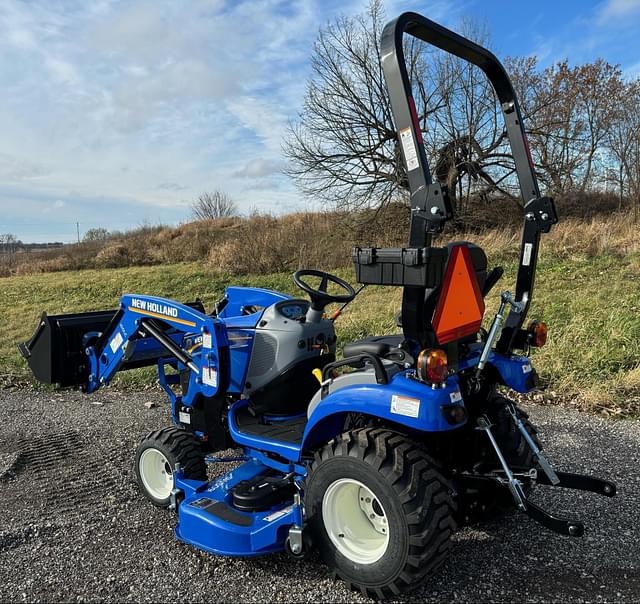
<point x="78" y="231"/>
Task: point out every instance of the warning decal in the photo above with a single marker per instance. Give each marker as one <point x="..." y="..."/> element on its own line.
<point x="206" y="340"/>
<point x="210" y="376"/>
<point x="404" y="405"/>
<point x="409" y="149"/>
<point x="115" y="343"/>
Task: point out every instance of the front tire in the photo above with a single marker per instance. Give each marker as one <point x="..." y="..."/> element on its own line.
<point x="380" y="511"/>
<point x="156" y="459"/>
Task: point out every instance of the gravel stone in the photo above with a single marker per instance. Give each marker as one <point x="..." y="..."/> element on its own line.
<point x="73" y="526"/>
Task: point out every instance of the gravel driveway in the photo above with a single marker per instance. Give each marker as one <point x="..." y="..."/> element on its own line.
<point x="73" y="526"/>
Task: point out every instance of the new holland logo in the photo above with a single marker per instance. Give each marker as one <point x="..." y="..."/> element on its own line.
<point x="154" y="307"/>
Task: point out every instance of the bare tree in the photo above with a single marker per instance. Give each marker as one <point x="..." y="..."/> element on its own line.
<point x="568" y="112"/>
<point x="466" y="140"/>
<point x="600" y="89"/>
<point x="623" y="144"/>
<point x="211" y="206"/>
<point x="343" y="150"/>
<point x="9" y="245"/>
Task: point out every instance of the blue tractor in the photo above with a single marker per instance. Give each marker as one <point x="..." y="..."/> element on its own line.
<point x="373" y="458"/>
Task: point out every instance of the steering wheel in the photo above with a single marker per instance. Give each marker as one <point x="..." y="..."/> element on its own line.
<point x="319" y="297"/>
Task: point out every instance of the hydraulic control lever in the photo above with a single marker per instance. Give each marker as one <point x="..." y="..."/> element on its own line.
<point x="506" y="299"/>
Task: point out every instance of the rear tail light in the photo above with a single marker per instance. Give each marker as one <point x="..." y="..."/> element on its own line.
<point x="454" y="414"/>
<point x="432" y="366"/>
<point x="537" y="333"/>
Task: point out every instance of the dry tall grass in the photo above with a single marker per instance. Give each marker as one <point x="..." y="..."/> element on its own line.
<point x="266" y="244"/>
<point x="616" y="235"/>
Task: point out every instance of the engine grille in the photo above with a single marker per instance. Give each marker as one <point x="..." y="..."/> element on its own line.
<point x="263" y="357"/>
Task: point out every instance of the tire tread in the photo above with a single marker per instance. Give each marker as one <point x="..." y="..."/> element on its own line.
<point x="416" y="478"/>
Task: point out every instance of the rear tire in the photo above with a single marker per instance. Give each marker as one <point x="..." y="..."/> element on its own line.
<point x="156" y="459"/>
<point x="380" y="511"/>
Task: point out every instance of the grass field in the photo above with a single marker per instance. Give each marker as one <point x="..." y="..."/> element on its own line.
<point x="590" y="304"/>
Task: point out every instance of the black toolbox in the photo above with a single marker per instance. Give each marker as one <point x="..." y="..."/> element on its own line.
<point x="412" y="266"/>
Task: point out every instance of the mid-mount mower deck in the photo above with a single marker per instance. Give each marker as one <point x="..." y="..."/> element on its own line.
<point x="374" y="458"/>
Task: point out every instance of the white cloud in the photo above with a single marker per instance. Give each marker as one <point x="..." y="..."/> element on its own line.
<point x="612" y="10"/>
<point x="259" y="168"/>
<point x="151" y="102"/>
<point x="113" y="98"/>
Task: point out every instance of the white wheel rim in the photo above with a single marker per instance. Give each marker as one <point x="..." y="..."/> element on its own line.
<point x="355" y="521"/>
<point x="156" y="473"/>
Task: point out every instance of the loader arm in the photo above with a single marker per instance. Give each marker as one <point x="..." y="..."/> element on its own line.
<point x="142" y="321"/>
<point x="85" y="350"/>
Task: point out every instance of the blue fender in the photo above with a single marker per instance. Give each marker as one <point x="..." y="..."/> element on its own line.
<point x="404" y="400"/>
<point x="515" y="371"/>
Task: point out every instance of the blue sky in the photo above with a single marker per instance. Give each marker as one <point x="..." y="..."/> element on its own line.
<point x="118" y="112"/>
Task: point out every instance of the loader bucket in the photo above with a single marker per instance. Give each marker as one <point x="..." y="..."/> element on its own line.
<point x="55" y="353"/>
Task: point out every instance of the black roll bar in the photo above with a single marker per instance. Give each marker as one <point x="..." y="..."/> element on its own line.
<point x="430" y="208"/>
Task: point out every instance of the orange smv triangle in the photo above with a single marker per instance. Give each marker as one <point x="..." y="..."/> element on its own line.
<point x="461" y="305"/>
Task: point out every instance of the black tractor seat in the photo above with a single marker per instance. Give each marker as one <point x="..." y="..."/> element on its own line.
<point x="379" y="346"/>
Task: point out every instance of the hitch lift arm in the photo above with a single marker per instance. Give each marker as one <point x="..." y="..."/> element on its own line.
<point x="510" y="478"/>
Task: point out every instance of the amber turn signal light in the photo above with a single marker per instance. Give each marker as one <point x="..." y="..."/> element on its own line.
<point x="432" y="366"/>
<point x="537" y="333"/>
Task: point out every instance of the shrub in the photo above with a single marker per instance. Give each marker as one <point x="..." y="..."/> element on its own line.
<point x="114" y="255"/>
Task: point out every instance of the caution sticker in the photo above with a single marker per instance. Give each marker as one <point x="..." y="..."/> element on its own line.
<point x="210" y="376"/>
<point x="455" y="397"/>
<point x="404" y="405"/>
<point x="206" y="340"/>
<point x="116" y="342"/>
<point x="409" y="149"/>
<point x="526" y="368"/>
